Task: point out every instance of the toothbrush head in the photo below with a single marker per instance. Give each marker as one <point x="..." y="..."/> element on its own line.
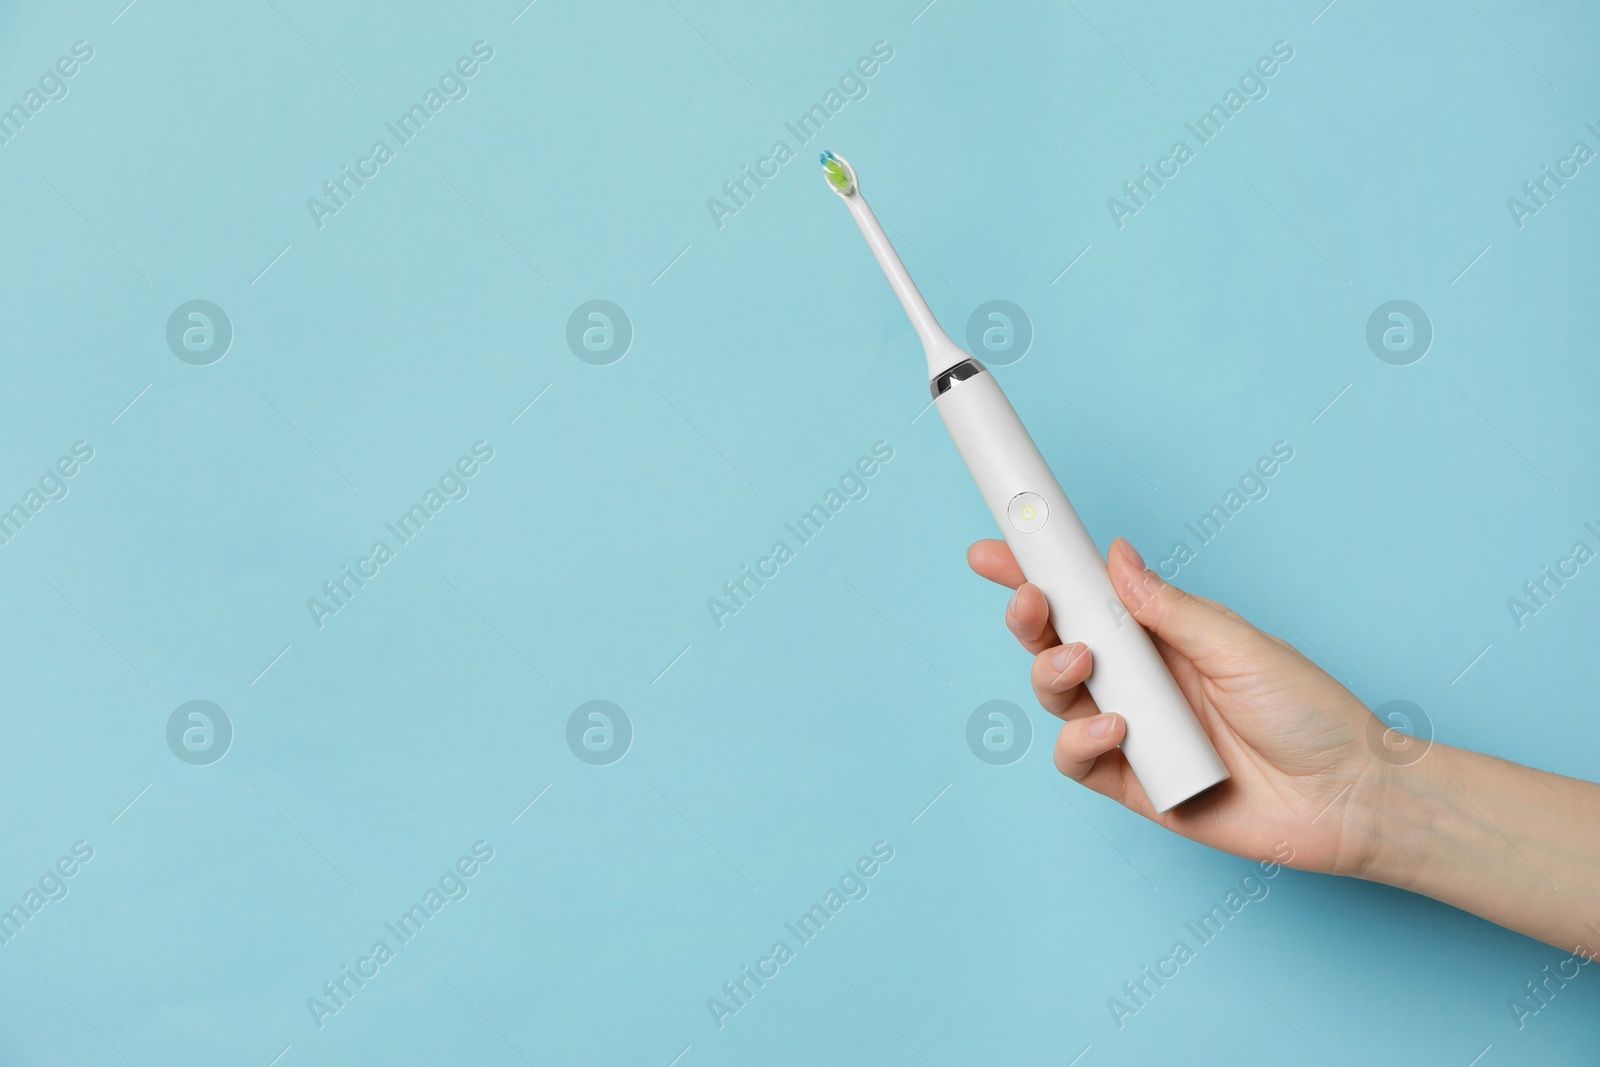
<point x="841" y="176"/>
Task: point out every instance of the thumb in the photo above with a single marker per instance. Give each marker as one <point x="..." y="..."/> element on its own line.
<point x="1210" y="635"/>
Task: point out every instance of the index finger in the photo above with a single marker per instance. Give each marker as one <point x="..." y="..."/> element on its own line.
<point x="992" y="559"/>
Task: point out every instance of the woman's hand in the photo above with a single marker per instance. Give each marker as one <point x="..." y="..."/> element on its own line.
<point x="1518" y="846"/>
<point x="1293" y="739"/>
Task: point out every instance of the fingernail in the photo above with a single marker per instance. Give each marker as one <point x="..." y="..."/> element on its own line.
<point x="1011" y="605"/>
<point x="1063" y="657"/>
<point x="1102" y="725"/>
<point x="1134" y="552"/>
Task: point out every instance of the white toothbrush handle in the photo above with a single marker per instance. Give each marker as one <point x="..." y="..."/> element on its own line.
<point x="1165" y="745"/>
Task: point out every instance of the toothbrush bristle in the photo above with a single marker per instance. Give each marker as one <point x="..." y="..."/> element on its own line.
<point x="838" y="174"/>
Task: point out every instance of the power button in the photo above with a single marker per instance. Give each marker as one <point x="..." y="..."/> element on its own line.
<point x="1027" y="512"/>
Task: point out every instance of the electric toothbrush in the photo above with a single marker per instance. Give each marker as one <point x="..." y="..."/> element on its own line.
<point x="1165" y="745"/>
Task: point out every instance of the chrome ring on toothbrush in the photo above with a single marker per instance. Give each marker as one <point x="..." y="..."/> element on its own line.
<point x="967" y="368"/>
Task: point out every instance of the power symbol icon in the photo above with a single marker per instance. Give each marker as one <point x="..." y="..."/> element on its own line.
<point x="1027" y="512"/>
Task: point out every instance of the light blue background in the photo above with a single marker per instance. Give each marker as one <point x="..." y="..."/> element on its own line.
<point x="767" y="358"/>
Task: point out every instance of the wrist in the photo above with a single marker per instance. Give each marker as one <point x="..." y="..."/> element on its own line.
<point x="1405" y="817"/>
<point x="1490" y="837"/>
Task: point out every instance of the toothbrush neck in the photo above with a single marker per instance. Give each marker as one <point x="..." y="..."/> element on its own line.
<point x="942" y="352"/>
